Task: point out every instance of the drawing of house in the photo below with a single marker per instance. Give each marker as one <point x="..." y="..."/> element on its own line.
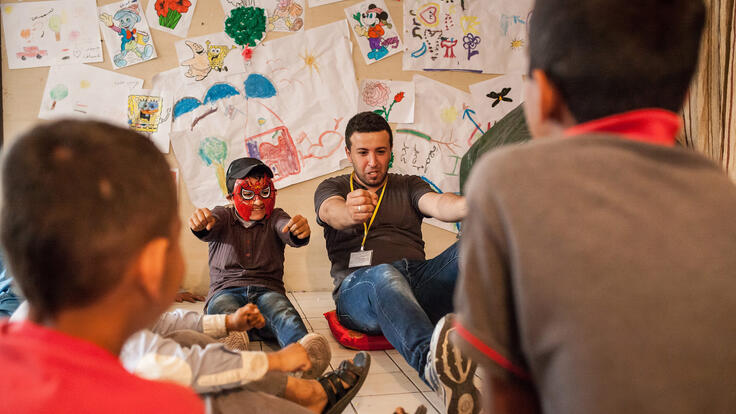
<point x="282" y="157"/>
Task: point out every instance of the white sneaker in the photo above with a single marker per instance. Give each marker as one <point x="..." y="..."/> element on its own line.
<point x="450" y="373"/>
<point x="319" y="353"/>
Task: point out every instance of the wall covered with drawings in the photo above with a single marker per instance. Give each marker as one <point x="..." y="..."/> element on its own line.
<point x="440" y="71"/>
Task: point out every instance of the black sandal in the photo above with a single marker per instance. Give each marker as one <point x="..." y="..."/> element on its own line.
<point x="352" y="373"/>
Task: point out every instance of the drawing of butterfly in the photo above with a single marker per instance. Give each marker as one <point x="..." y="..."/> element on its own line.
<point x="500" y="96"/>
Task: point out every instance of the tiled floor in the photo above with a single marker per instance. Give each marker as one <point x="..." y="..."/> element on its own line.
<point x="391" y="383"/>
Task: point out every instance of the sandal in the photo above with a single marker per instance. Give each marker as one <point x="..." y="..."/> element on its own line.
<point x="352" y="373"/>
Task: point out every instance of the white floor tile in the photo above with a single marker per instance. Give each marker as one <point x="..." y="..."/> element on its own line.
<point x="336" y="348"/>
<point x="386" y="404"/>
<point x="254" y="346"/>
<point x="387" y="383"/>
<point x="434" y="399"/>
<point x="408" y="370"/>
<point x="380" y="362"/>
<point x="318" y="323"/>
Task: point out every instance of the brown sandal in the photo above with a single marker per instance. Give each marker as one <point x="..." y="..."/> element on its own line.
<point x="352" y="373"/>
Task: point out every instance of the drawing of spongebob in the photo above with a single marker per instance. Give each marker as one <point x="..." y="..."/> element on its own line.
<point x="144" y="112"/>
<point x="216" y="55"/>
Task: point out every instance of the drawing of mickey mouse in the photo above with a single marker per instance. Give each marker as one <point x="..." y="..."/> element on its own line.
<point x="371" y="26"/>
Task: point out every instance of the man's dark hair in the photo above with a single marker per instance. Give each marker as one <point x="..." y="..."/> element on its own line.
<point x="609" y="56"/>
<point x="367" y="122"/>
<point x="80" y="201"/>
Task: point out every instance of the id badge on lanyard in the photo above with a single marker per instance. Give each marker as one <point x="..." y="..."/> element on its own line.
<point x="363" y="257"/>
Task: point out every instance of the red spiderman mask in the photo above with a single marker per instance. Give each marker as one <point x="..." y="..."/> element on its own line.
<point x="248" y="190"/>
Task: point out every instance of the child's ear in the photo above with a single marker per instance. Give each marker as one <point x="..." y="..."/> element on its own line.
<point x="151" y="266"/>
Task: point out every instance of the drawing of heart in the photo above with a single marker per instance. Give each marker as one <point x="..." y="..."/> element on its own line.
<point x="428" y="15"/>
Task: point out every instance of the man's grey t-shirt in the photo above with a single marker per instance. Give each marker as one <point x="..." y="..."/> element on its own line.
<point x="396" y="232"/>
<point x="605" y="270"/>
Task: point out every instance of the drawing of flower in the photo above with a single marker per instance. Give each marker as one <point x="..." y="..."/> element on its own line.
<point x="170" y="11"/>
<point x="386" y="112"/>
<point x="375" y="93"/>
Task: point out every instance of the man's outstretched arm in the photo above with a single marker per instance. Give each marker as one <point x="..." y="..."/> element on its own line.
<point x="446" y="207"/>
<point x="341" y="213"/>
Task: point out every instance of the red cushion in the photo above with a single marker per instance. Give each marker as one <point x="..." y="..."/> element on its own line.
<point x="354" y="339"/>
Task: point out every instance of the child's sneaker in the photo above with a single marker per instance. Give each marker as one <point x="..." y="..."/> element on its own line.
<point x="450" y="373"/>
<point x="319" y="353"/>
<point x="236" y="341"/>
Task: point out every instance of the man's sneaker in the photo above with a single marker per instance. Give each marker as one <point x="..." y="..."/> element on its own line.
<point x="450" y="373"/>
<point x="236" y="341"/>
<point x="319" y="353"/>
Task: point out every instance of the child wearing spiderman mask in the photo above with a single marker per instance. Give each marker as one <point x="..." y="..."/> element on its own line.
<point x="246" y="257"/>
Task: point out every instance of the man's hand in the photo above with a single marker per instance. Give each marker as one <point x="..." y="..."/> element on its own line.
<point x="298" y="226"/>
<point x="292" y="358"/>
<point x="188" y="297"/>
<point x="202" y="219"/>
<point x="360" y="205"/>
<point x="245" y="318"/>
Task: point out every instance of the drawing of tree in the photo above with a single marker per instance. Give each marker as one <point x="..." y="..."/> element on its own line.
<point x="246" y="25"/>
<point x="55" y="26"/>
<point x="58" y="93"/>
<point x="213" y="151"/>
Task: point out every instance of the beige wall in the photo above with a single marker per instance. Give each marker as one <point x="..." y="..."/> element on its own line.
<point x="307" y="268"/>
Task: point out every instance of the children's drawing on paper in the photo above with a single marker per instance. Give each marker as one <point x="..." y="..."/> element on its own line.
<point x="283" y="112"/>
<point x="374" y="30"/>
<point x="505" y="26"/>
<point x="126" y="33"/>
<point x="433" y="145"/>
<point x="87" y="92"/>
<point x="494" y="98"/>
<point x="487" y="36"/>
<point x="50" y="33"/>
<point x="246" y="26"/>
<point x="208" y="55"/>
<point x="282" y="15"/>
<point x="171" y="16"/>
<point x="393" y="100"/>
<point x="150" y="111"/>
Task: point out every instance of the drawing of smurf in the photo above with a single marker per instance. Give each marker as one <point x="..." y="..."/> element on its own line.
<point x="130" y="38"/>
<point x="371" y="23"/>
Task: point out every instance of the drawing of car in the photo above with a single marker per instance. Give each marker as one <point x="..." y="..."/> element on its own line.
<point x="31" y="51"/>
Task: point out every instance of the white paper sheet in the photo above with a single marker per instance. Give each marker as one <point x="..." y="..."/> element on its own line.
<point x="290" y="111"/>
<point x="87" y="92"/>
<point x="374" y="30"/>
<point x="171" y="16"/>
<point x="505" y="39"/>
<point x="393" y="100"/>
<point x="51" y="33"/>
<point x="212" y="56"/>
<point x="434" y="144"/>
<point x="494" y="98"/>
<point x="126" y="33"/>
<point x="474" y="35"/>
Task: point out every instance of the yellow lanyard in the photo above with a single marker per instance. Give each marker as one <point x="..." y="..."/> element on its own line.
<point x="368" y="226"/>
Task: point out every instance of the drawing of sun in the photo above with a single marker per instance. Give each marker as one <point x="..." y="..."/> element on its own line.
<point x="517" y="43"/>
<point x="310" y="61"/>
<point x="449" y="114"/>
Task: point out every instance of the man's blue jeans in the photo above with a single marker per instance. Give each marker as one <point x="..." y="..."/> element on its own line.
<point x="403" y="300"/>
<point x="282" y="320"/>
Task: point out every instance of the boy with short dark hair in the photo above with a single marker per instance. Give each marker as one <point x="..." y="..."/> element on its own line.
<point x="246" y="243"/>
<point x="93" y="240"/>
<point x="597" y="266"/>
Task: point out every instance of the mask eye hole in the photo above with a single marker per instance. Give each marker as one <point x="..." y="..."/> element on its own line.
<point x="247" y="194"/>
<point x="266" y="192"/>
